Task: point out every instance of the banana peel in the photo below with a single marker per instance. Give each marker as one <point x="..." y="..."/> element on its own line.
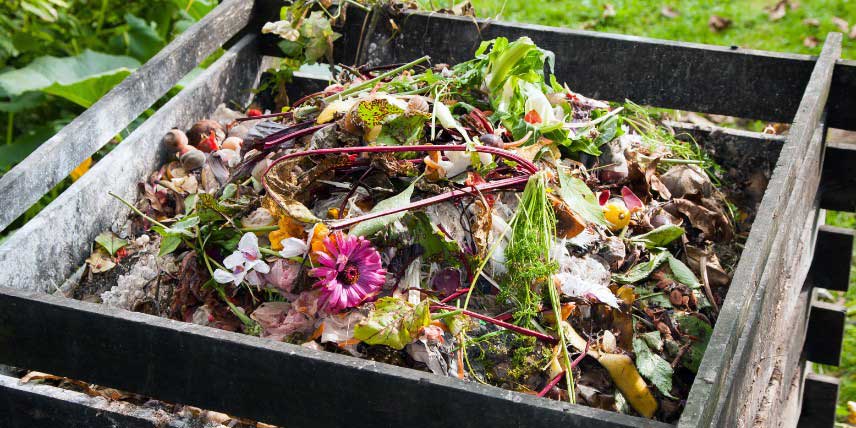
<point x="622" y="371"/>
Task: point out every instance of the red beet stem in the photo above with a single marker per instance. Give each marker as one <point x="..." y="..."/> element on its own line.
<point x="264" y="116"/>
<point x="581" y="356"/>
<point x="455" y="295"/>
<point x="553" y="382"/>
<point x="525" y="331"/>
<point x="293" y="135"/>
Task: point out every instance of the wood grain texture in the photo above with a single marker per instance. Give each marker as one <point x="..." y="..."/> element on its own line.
<point x="261" y="379"/>
<point x="44" y="406"/>
<point x="24" y="184"/>
<point x="767" y="284"/>
<point x="64" y="231"/>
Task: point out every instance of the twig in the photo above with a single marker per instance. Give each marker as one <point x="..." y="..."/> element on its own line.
<point x="703" y="266"/>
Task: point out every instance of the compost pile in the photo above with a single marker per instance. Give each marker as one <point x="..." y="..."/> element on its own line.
<point x="479" y="221"/>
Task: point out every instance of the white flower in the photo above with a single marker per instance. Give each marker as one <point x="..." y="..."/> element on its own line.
<point x="282" y="29"/>
<point x="296" y="247"/>
<point x="245" y="263"/>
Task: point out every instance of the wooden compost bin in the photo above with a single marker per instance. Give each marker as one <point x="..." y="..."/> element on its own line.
<point x="754" y="371"/>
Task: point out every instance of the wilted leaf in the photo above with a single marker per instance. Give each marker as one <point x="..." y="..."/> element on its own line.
<point x="653" y="367"/>
<point x="660" y="236"/>
<point x="699" y="329"/>
<point x="393" y="322"/>
<point x="110" y="242"/>
<point x="580" y="198"/>
<point x="99" y="261"/>
<point x="641" y="270"/>
<point x="370" y="227"/>
<point x="84" y="69"/>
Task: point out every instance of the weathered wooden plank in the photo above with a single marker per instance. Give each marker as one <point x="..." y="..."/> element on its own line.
<point x="820" y="394"/>
<point x="85" y="209"/>
<point x="825" y="335"/>
<point x="839" y="182"/>
<point x="687" y="76"/>
<point x="833" y="252"/>
<point x="44" y="406"/>
<point x="257" y="378"/>
<point x="721" y="382"/>
<point x="22" y="186"/>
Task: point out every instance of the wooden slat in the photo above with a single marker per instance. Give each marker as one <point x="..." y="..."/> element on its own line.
<point x="736" y="367"/>
<point x="261" y="379"/>
<point x="25" y="184"/>
<point x="839" y="179"/>
<point x="687" y="76"/>
<point x="45" y="251"/>
<point x="820" y="394"/>
<point x="825" y="335"/>
<point x="43" y="406"/>
<point x="833" y="253"/>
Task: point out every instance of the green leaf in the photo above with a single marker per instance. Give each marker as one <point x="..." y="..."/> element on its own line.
<point x="641" y="270"/>
<point x="427" y="235"/>
<point x="23" y="102"/>
<point x="370" y="227"/>
<point x="653" y="367"/>
<point x="86" y="92"/>
<point x="393" y="322"/>
<point x="110" y="242"/>
<point x="580" y="198"/>
<point x="373" y="112"/>
<point x="699" y="329"/>
<point x="404" y="129"/>
<point x="653" y="340"/>
<point x="46" y="71"/>
<point x="682" y="273"/>
<point x="228" y="191"/>
<point x="168" y="244"/>
<point x="142" y="39"/>
<point x="660" y="236"/>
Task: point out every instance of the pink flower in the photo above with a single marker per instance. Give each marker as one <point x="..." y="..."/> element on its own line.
<point x="245" y="263"/>
<point x="350" y="272"/>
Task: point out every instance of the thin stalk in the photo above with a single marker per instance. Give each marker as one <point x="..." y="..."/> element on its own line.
<point x="260" y="229"/>
<point x="371" y="82"/>
<point x="551" y="384"/>
<point x="508" y="326"/>
<point x="269" y="252"/>
<point x="363" y="7"/>
<point x="140" y="213"/>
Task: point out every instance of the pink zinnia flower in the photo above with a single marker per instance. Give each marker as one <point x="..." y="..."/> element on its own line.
<point x="350" y="272"/>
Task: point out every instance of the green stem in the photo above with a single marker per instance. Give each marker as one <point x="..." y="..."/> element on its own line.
<point x="101" y="16"/>
<point x="140" y="213"/>
<point x="269" y="252"/>
<point x="446" y="314"/>
<point x="363" y="7"/>
<point x="371" y="82"/>
<point x="9" y="127"/>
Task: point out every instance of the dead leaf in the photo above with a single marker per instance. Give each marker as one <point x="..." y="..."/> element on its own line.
<point x="714" y="225"/>
<point x="715" y="273"/>
<point x="842" y="25"/>
<point x="34" y="376"/>
<point x="811" y="22"/>
<point x="810" y="42"/>
<point x="718" y="23"/>
<point x="608" y="10"/>
<point x="778" y="11"/>
<point x="687" y="180"/>
<point x="99" y="261"/>
<point x="668" y="12"/>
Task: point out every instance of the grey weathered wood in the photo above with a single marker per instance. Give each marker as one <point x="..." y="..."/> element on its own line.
<point x="25" y="184"/>
<point x="734" y="366"/>
<point x="41" y="254"/>
<point x="44" y="406"/>
<point x="265" y="380"/>
<point x="839" y="181"/>
<point x="820" y="394"/>
<point x="687" y="76"/>
<point x="830" y="267"/>
<point x="825" y="335"/>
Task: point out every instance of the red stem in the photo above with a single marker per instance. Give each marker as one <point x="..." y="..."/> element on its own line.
<point x="525" y="331"/>
<point x="264" y="116"/>
<point x="553" y="382"/>
<point x="294" y="135"/>
<point x="455" y="295"/>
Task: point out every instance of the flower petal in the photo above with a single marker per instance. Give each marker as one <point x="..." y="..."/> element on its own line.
<point x="293" y="247"/>
<point x="223" y="277"/>
<point x="235" y="259"/>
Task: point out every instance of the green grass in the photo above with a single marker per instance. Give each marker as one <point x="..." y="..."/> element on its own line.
<point x="751" y="28"/>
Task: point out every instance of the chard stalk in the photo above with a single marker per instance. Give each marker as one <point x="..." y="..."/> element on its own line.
<point x="506" y="61"/>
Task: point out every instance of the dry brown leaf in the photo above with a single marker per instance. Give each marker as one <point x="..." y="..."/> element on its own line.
<point x="718" y="23"/>
<point x="778" y="11"/>
<point x="811" y="22"/>
<point x="810" y="42"/>
<point x="715" y="273"/>
<point x="34" y="376"/>
<point x="842" y="25"/>
<point x="687" y="180"/>
<point x="714" y="225"/>
<point x="99" y="261"/>
<point x="668" y="12"/>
